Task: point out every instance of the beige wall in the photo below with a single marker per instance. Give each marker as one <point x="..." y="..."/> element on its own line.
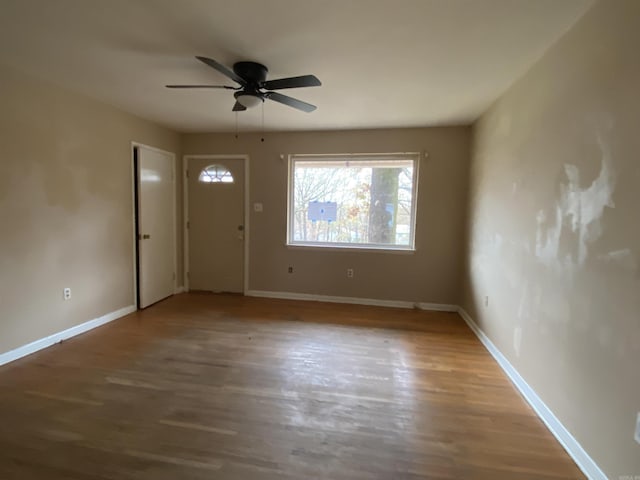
<point x="65" y="207"/>
<point x="554" y="231"/>
<point x="431" y="274"/>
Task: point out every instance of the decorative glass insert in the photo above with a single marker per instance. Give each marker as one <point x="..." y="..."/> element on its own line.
<point x="215" y="174"/>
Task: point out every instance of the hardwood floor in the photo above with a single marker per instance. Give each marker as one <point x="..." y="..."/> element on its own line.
<point x="207" y="386"/>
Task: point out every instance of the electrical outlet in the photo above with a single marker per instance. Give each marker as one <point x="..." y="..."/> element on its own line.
<point x="486" y="301"/>
<point x="637" y="435"/>
<point x="66" y="293"/>
<point x="290" y="270"/>
<point x="349" y="272"/>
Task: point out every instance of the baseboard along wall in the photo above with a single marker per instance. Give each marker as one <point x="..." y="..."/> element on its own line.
<point x="45" y="342"/>
<point x="440" y="307"/>
<point x="588" y="466"/>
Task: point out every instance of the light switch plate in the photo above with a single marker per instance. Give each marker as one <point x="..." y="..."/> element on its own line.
<point x="257" y="207"/>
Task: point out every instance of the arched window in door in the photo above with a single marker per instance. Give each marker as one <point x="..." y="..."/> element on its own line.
<point x="215" y="174"/>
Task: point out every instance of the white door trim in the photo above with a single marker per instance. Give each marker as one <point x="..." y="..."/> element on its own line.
<point x="185" y="205"/>
<point x="134" y="208"/>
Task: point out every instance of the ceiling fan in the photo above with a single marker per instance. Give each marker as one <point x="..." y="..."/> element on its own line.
<point x="255" y="88"/>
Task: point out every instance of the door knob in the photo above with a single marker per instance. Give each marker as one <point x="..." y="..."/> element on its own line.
<point x="145" y="236"/>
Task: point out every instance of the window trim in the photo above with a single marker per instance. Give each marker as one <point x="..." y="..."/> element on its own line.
<point x="415" y="157"/>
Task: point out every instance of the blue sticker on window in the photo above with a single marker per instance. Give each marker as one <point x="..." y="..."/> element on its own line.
<point x="322" y="211"/>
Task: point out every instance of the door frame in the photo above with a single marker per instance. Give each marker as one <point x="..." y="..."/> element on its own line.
<point x="134" y="203"/>
<point x="185" y="213"/>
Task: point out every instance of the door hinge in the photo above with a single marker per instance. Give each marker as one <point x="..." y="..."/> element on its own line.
<point x="186" y="173"/>
<point x="188" y="224"/>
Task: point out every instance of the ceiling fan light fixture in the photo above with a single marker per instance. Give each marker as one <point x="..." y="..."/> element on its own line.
<point x="247" y="100"/>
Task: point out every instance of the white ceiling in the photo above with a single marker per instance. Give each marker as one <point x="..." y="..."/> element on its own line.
<point x="383" y="63"/>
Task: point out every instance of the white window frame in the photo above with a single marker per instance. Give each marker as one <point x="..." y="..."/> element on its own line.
<point x="355" y="157"/>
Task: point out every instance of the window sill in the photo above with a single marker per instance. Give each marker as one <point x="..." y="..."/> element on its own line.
<point x="350" y="248"/>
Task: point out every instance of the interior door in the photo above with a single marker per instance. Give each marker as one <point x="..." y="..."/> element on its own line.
<point x="156" y="227"/>
<point x="216" y="224"/>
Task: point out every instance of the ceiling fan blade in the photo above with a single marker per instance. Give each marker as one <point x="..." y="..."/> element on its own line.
<point x="238" y="107"/>
<point x="203" y="86"/>
<point x="290" y="101"/>
<point x="222" y="69"/>
<point x="292" y="82"/>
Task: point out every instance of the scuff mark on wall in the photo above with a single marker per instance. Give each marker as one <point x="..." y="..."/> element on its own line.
<point x="517" y="340"/>
<point x="624" y="258"/>
<point x="548" y="243"/>
<point x="583" y="206"/>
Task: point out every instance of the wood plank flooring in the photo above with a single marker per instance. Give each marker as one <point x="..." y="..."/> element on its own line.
<point x="206" y="386"/>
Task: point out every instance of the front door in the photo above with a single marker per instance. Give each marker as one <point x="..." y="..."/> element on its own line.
<point x="216" y="224"/>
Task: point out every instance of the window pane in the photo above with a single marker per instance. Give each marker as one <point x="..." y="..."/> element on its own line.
<point x="215" y="174"/>
<point x="350" y="201"/>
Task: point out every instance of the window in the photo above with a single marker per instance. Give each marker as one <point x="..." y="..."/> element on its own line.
<point x="357" y="201"/>
<point x="215" y="174"/>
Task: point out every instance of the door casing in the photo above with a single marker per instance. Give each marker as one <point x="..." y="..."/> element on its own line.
<point x="185" y="213"/>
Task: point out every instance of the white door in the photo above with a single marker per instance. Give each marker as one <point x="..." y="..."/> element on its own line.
<point x="156" y="227"/>
<point x="216" y="224"/>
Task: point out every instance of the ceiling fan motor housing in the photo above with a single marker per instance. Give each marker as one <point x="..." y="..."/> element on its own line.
<point x="254" y="73"/>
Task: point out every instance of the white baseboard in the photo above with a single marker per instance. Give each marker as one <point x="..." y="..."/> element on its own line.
<point x="441" y="307"/>
<point x="33" y="347"/>
<point x="436" y="307"/>
<point x="568" y="442"/>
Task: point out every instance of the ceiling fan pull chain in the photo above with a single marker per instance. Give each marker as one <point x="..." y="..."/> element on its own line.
<point x="236" y="124"/>
<point x="262" y="139"/>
